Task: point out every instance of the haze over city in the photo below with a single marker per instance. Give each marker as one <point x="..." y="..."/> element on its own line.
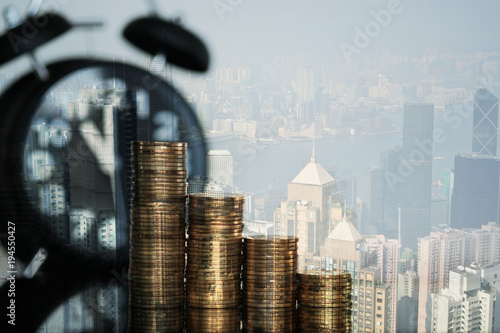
<point x="368" y="129"/>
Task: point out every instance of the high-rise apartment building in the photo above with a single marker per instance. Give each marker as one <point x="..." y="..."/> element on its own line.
<point x="475" y="197"/>
<point x="416" y="173"/>
<point x="485" y="123"/>
<point x="386" y="253"/>
<point x="407" y="314"/>
<point x="408" y="284"/>
<point x="438" y="253"/>
<point x="220" y="166"/>
<point x="484" y="245"/>
<point x="465" y="306"/>
<point x="373" y="308"/>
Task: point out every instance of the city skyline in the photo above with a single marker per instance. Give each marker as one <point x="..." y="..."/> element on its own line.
<point x="328" y="204"/>
<point x="366" y="132"/>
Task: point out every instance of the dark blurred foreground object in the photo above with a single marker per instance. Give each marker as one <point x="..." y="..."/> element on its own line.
<point x="180" y="47"/>
<point x="67" y="271"/>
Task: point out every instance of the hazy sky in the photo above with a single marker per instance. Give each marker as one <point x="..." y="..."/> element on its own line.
<point x="260" y="29"/>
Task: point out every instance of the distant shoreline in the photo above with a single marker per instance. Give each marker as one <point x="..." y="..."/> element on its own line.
<point x="278" y="140"/>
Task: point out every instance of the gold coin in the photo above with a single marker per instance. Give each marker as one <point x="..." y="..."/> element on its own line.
<point x="271" y="240"/>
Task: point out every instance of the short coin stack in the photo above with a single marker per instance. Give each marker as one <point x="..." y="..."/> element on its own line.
<point x="325" y="301"/>
<point x="157" y="237"/>
<point x="213" y="270"/>
<point x="270" y="284"/>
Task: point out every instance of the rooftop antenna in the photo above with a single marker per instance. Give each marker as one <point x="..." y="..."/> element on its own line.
<point x="345" y="210"/>
<point x="313" y="157"/>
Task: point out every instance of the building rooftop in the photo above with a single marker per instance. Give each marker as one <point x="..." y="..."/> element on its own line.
<point x="345" y="231"/>
<point x="313" y="174"/>
<point x="219" y="152"/>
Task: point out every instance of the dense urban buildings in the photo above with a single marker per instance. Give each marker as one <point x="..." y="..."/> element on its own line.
<point x="438" y="253"/>
<point x="372" y="262"/>
<point x="259" y="118"/>
<point x="306" y="214"/>
<point x="465" y="306"/>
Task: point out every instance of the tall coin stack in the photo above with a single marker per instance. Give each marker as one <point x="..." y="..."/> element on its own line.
<point x="270" y="284"/>
<point x="213" y="270"/>
<point x="157" y="237"/>
<point x="325" y="301"/>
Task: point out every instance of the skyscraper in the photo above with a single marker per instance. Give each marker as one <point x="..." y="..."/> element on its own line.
<point x="416" y="173"/>
<point x="475" y="196"/>
<point x="220" y="166"/>
<point x="485" y="123"/>
<point x="306" y="213"/>
<point x="438" y="253"/>
<point x="390" y="162"/>
<point x="447" y="190"/>
<point x="387" y="256"/>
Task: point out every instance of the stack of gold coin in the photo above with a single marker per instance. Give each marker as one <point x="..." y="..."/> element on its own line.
<point x="199" y="320"/>
<point x="325" y="301"/>
<point x="157" y="237"/>
<point x="213" y="270"/>
<point x="269" y="284"/>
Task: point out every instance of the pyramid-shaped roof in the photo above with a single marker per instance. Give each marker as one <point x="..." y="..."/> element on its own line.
<point x="345" y="231"/>
<point x="313" y="174"/>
